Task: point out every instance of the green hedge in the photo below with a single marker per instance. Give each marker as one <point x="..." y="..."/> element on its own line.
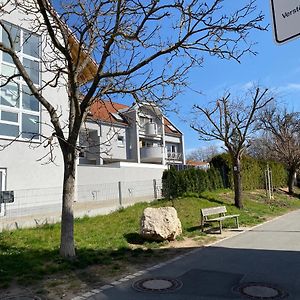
<point x="253" y="172"/>
<point x="177" y="183"/>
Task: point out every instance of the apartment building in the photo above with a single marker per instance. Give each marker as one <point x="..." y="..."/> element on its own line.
<point x="139" y="133"/>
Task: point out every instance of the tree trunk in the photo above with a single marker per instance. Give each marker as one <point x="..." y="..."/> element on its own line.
<point x="291" y="180"/>
<point x="67" y="247"/>
<point x="237" y="180"/>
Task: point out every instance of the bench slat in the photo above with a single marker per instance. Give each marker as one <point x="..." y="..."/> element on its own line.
<point x="221" y="210"/>
<point x="213" y="210"/>
<point x="221" y="218"/>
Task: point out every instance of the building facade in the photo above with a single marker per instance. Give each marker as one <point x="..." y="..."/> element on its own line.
<point x="139" y="133"/>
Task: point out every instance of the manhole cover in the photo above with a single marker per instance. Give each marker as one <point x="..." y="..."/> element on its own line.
<point x="255" y="290"/>
<point x="157" y="284"/>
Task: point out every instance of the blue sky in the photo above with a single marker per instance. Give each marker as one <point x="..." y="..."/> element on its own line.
<point x="275" y="66"/>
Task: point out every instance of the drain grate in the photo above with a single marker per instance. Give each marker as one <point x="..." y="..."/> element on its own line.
<point x="157" y="285"/>
<point x="262" y="291"/>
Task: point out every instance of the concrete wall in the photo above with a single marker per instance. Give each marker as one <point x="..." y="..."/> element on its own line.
<point x="121" y="171"/>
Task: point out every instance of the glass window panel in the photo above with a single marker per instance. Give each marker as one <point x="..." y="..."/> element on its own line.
<point x="28" y="100"/>
<point x="8" y="71"/>
<point x="10" y="95"/>
<point x="7" y="58"/>
<point x="30" y="126"/>
<point x="9" y="116"/>
<point x="31" y="44"/>
<point x="9" y="130"/>
<point x="14" y="33"/>
<point x="32" y="68"/>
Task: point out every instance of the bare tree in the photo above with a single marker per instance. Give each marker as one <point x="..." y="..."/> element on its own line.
<point x="233" y="123"/>
<point x="103" y="49"/>
<point x="283" y="129"/>
<point x="258" y="148"/>
<point x="203" y="153"/>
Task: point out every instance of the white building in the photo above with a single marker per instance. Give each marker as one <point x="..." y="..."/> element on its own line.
<point x="125" y="143"/>
<point x="138" y="134"/>
<point x="118" y="143"/>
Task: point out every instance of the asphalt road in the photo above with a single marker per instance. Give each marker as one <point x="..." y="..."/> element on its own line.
<point x="268" y="257"/>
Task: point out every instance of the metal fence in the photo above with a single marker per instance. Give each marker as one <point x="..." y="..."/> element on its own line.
<point x="35" y="207"/>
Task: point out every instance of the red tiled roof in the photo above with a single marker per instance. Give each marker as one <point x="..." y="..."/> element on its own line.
<point x="196" y="163"/>
<point x="168" y="130"/>
<point x="101" y="110"/>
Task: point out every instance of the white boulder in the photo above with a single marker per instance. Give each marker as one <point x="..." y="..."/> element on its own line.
<point x="160" y="224"/>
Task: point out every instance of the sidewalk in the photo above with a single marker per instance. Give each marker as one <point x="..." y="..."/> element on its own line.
<point x="262" y="262"/>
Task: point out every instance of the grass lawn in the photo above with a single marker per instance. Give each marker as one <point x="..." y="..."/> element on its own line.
<point x="112" y="242"/>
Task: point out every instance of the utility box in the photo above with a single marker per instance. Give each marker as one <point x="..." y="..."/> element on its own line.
<point x="7" y="197"/>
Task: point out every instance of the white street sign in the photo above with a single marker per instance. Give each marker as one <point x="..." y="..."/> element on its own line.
<point x="286" y="19"/>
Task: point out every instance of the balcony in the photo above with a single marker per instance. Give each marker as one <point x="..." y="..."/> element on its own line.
<point x="151" y="129"/>
<point x="152" y="154"/>
<point x="173" y="156"/>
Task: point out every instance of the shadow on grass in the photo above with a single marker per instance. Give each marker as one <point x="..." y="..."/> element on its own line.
<point x="207" y="229"/>
<point x="296" y="195"/>
<point x="136" y="239"/>
<point x="194" y="229"/>
<point x="29" y="266"/>
<point x="212" y="199"/>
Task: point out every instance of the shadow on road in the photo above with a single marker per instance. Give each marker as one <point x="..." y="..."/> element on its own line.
<point x="217" y="273"/>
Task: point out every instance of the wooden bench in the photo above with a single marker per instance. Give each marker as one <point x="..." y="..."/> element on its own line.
<point x="219" y="210"/>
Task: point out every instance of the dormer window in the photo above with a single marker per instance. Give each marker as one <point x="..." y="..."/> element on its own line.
<point x="117" y="117"/>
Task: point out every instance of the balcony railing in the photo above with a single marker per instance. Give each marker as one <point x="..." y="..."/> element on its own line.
<point x="152" y="154"/>
<point x="151" y="129"/>
<point x="173" y="156"/>
<point x="155" y="154"/>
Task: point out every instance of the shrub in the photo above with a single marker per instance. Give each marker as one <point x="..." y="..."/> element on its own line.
<point x="253" y="172"/>
<point x="190" y="181"/>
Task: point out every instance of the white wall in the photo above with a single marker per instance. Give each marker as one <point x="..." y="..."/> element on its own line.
<point x="172" y="139"/>
<point x="25" y="172"/>
<point x="109" y="142"/>
<point x="118" y="172"/>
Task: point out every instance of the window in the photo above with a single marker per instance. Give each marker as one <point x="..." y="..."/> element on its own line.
<point x="121" y="140"/>
<point x="117" y="117"/>
<point x="30" y="126"/>
<point x="29" y="102"/>
<point x="19" y="109"/>
<point x="31" y="44"/>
